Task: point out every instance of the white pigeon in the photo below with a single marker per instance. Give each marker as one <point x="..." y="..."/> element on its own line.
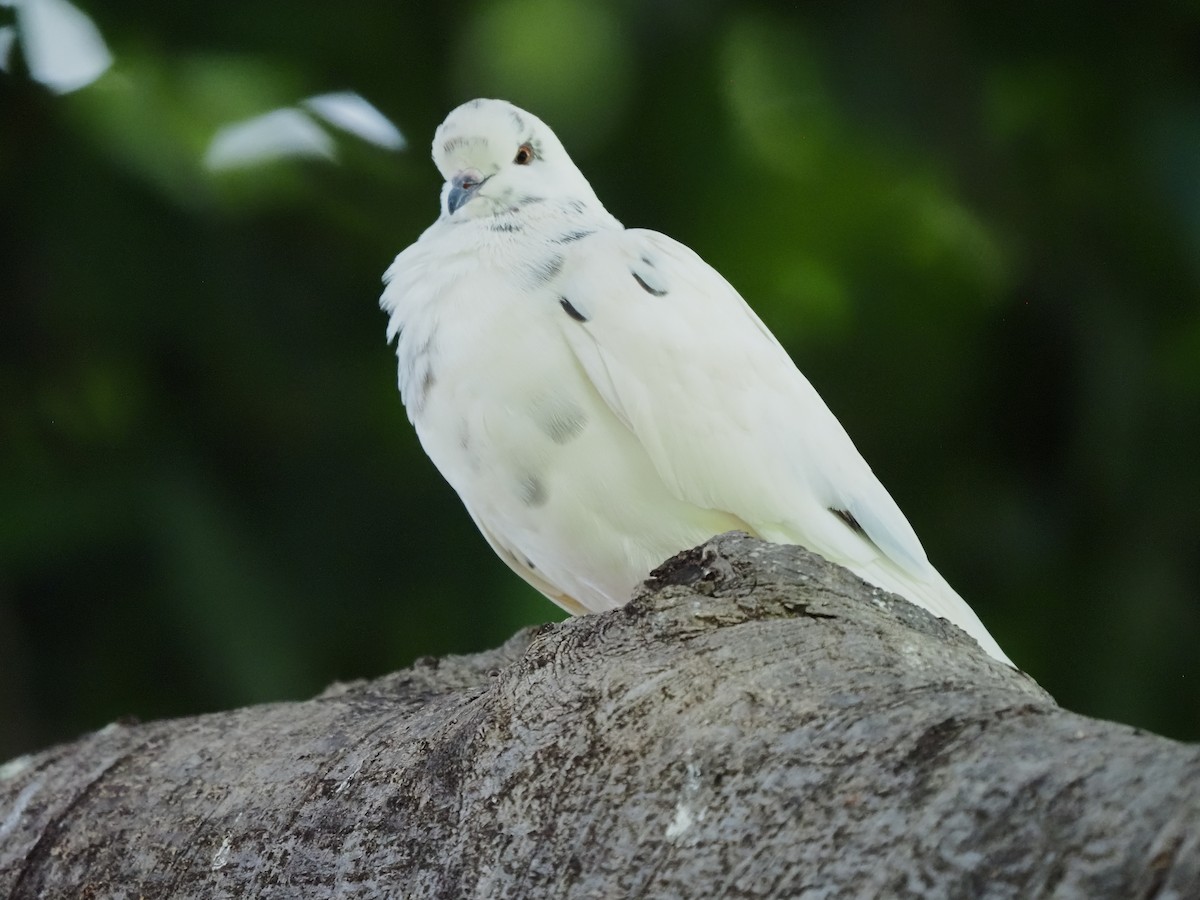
<point x="601" y="398"/>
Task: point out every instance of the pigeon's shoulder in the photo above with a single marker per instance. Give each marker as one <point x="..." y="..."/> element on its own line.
<point x="420" y="271"/>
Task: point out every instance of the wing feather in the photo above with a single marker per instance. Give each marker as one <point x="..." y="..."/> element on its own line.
<point x="725" y="398"/>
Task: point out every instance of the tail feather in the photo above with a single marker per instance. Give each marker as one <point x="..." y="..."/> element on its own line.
<point x="932" y="593"/>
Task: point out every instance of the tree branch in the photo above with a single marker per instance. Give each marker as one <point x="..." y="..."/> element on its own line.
<point x="757" y="723"/>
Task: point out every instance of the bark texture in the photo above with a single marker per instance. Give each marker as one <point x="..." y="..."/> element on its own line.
<point x="757" y="723"/>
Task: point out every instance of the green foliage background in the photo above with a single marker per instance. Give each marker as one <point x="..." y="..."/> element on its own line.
<point x="976" y="228"/>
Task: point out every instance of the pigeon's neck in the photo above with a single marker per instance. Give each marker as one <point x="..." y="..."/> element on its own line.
<point x="549" y="218"/>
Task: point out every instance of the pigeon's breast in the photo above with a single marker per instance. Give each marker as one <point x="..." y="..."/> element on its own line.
<point x="493" y="390"/>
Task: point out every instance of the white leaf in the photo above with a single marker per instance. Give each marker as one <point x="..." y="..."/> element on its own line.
<point x="281" y="133"/>
<point x="350" y="112"/>
<point x="8" y="36"/>
<point x="63" y="48"/>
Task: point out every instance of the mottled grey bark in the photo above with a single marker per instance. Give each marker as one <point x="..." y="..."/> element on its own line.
<point x="759" y="724"/>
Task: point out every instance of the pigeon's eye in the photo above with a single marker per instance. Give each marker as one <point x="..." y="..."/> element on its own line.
<point x="524" y="155"/>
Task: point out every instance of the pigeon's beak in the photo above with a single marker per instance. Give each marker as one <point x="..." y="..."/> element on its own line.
<point x="463" y="187"/>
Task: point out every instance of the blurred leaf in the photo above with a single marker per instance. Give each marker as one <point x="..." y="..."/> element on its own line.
<point x="63" y="48"/>
<point x="278" y="134"/>
<point x="353" y="114"/>
<point x="773" y="85"/>
<point x="8" y="39"/>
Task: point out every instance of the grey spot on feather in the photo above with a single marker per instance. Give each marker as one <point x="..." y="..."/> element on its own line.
<point x="648" y="288"/>
<point x="518" y="118"/>
<point x="468" y="450"/>
<point x="416" y="376"/>
<point x="532" y="491"/>
<point x="571" y="310"/>
<point x="648" y="261"/>
<point x="562" y="421"/>
<point x="546" y="270"/>
<point x="508" y="227"/>
<point x="572" y="236"/>
<point x="848" y="517"/>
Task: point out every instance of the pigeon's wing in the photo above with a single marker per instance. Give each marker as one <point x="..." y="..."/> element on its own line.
<point x="728" y="420"/>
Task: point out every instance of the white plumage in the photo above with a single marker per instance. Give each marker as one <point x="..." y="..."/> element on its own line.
<point x="601" y="398"/>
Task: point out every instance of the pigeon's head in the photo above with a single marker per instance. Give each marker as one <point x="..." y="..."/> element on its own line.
<point x="497" y="158"/>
